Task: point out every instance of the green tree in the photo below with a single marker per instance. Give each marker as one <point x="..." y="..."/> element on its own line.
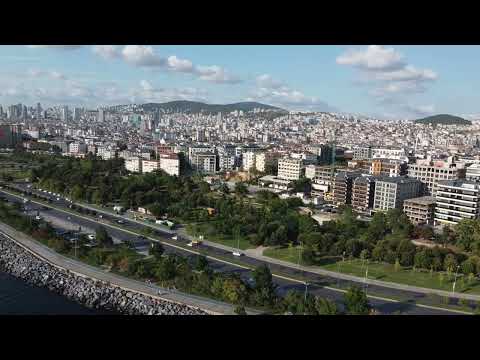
<point x="325" y="307"/>
<point x="356" y="302"/>
<point x="201" y="263"/>
<point x="102" y="237"/>
<point x="241" y="189"/>
<point x="156" y="250"/>
<point x="450" y="263"/>
<point x="264" y="288"/>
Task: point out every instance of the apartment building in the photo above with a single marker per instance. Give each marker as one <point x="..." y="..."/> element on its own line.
<point x="322" y="151"/>
<point x="170" y="163"/>
<point x="192" y="150"/>
<point x="420" y="210"/>
<point x="473" y="172"/>
<point x="134" y="165"/>
<point x="343" y="187"/>
<point x="248" y="160"/>
<point x="205" y="162"/>
<point x="390" y="193"/>
<point x="77" y="148"/>
<point x="389" y="153"/>
<point x="430" y="172"/>
<point x="456" y="200"/>
<point x="290" y="169"/>
<point x="263" y="159"/>
<point x="363" y="194"/>
<point x="150" y="165"/>
<point x="362" y="153"/>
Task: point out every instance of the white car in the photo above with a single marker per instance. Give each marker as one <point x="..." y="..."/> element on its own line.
<point x="236" y="253"/>
<point x="91" y="237"/>
<point x="175" y="237"/>
<point x="38" y="217"/>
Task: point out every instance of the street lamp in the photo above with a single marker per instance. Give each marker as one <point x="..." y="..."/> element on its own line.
<point x="365" y="279"/>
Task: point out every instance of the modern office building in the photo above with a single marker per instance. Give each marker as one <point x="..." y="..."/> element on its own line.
<point x="290" y="169"/>
<point x="456" y="200"/>
<point x="420" y="211"/>
<point x="430" y="172"/>
<point x="363" y="194"/>
<point x="64" y="113"/>
<point x="390" y="193"/>
<point x="101" y="115"/>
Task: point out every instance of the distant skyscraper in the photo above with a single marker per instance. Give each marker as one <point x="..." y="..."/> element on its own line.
<point x="219" y="117"/>
<point x="101" y="115"/>
<point x="39" y="111"/>
<point x="65" y="114"/>
<point x="1" y="113"/>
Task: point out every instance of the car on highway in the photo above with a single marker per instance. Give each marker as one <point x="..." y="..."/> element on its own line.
<point x="194" y="243"/>
<point x="237" y="253"/>
<point x="175" y="237"/>
<point x="91" y="237"/>
<point x="120" y="221"/>
<point x="38" y="217"/>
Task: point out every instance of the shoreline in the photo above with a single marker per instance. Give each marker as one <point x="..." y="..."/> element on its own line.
<point x="93" y="294"/>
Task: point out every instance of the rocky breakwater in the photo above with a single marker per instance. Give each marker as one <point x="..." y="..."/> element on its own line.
<point x="91" y="293"/>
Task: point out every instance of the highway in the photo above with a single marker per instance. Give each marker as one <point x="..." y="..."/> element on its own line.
<point x="285" y="278"/>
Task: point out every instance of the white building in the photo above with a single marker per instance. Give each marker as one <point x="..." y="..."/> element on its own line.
<point x="431" y="172"/>
<point x="290" y="169"/>
<point x="77" y="148"/>
<point x="204" y="162"/>
<point x="170" y="163"/>
<point x="134" y="165"/>
<point x="248" y="160"/>
<point x="473" y="172"/>
<point x="150" y="165"/>
<point x="390" y="193"/>
<point x="456" y="200"/>
<point x="387" y="153"/>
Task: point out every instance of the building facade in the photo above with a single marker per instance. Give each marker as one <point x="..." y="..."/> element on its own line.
<point x="363" y="194"/>
<point x="290" y="169"/>
<point x="390" y="193"/>
<point x="420" y="211"/>
<point x="456" y="200"/>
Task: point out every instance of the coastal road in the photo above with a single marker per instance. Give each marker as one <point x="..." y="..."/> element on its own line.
<point x="286" y="278"/>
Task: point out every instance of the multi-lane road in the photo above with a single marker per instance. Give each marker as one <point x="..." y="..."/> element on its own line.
<point x="222" y="260"/>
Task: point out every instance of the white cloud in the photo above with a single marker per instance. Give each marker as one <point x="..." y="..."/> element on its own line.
<point x="107" y="51"/>
<point x="59" y="47"/>
<point x="146" y="85"/>
<point x="180" y="65"/>
<point x="149" y="93"/>
<point x="390" y="78"/>
<point x="51" y="74"/>
<point x="277" y="93"/>
<point x="216" y="74"/>
<point x="145" y="56"/>
<point x="140" y="55"/>
<point x="374" y="57"/>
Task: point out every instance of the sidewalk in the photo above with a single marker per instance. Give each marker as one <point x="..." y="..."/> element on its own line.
<point x="211" y="306"/>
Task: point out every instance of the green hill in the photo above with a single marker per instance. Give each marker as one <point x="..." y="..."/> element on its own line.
<point x="443" y="119"/>
<point x="199" y="107"/>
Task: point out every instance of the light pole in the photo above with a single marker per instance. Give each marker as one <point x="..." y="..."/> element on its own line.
<point x="455" y="281"/>
<point x="365" y="279"/>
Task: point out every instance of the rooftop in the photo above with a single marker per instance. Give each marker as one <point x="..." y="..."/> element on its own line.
<point x="423" y="200"/>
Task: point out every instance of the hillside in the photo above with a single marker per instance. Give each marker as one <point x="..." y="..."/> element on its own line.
<point x="197" y="107"/>
<point x="443" y="119"/>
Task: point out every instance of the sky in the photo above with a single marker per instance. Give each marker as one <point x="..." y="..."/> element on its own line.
<point x="386" y="81"/>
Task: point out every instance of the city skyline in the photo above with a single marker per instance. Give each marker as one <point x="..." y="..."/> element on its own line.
<point x="390" y="82"/>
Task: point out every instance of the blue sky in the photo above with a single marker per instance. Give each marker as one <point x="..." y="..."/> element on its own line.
<point x="387" y="81"/>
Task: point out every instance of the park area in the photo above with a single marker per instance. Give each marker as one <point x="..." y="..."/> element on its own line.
<point x="384" y="272"/>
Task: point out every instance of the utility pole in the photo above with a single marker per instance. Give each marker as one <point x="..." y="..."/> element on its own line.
<point x="455" y="281"/>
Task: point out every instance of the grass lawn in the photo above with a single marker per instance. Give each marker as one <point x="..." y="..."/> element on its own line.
<point x="384" y="272"/>
<point x="209" y="235"/>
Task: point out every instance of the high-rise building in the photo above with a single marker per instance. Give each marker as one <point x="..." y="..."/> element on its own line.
<point x="248" y="160"/>
<point x="38" y="111"/>
<point x="65" y="113"/>
<point x="101" y="115"/>
<point x="343" y="187"/>
<point x="456" y="200"/>
<point x="363" y="194"/>
<point x="390" y="193"/>
<point x="10" y="135"/>
<point x="200" y="135"/>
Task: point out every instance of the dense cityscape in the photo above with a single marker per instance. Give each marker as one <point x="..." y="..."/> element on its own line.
<point x="186" y="207"/>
